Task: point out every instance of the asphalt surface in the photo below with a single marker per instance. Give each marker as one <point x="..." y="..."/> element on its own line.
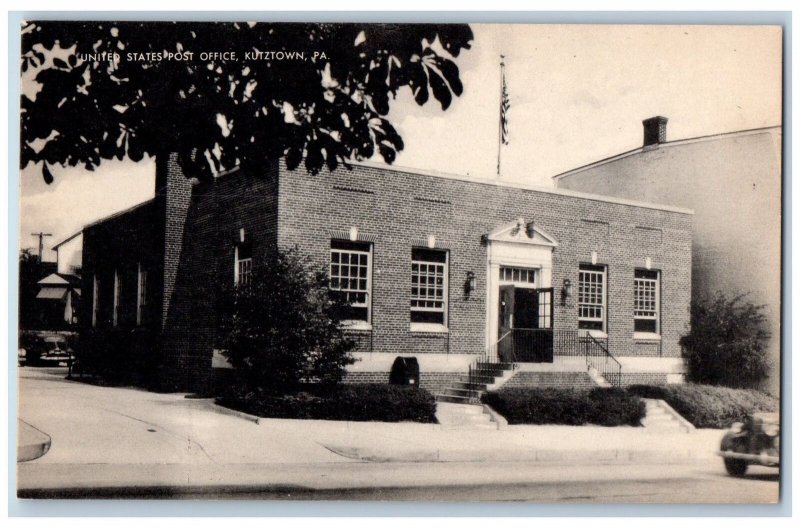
<point x="129" y="443"/>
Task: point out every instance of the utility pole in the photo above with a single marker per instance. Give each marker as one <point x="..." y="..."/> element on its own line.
<point x="41" y="243"/>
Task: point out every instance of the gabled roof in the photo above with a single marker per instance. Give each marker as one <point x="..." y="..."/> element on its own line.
<point x="62" y="280"/>
<point x="69" y="238"/>
<point x="54" y="279"/>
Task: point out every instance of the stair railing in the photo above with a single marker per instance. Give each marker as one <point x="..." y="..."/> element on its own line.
<point x="502" y="351"/>
<point x="600" y="359"/>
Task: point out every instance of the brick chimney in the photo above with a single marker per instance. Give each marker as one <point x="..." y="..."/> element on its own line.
<point x="655" y="130"/>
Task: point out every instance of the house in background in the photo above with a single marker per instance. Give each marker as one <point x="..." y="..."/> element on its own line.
<point x="732" y="181"/>
<point x="59" y="290"/>
<point x="58" y="300"/>
<point x="574" y="289"/>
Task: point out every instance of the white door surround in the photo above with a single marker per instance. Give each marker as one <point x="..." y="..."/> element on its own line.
<point x="518" y="244"/>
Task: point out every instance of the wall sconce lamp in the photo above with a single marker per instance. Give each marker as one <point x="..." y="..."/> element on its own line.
<point x="566" y="291"/>
<point x="469" y="285"/>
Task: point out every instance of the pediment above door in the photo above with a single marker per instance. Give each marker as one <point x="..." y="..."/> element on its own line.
<point x="521" y="232"/>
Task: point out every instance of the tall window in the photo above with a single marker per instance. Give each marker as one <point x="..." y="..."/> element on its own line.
<point x="141" y="294"/>
<point x="646" y="301"/>
<point x="351" y="277"/>
<point x="592" y="297"/>
<point x="243" y="265"/>
<point x="429" y="286"/>
<point x="95" y="299"/>
<point x="115" y="314"/>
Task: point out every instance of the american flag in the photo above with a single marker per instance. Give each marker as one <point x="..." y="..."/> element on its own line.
<point x="505" y="104"/>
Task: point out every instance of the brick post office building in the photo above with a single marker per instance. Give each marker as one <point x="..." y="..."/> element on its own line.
<point x="566" y="287"/>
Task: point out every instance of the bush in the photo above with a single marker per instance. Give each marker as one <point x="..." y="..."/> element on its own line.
<point x="284" y="328"/>
<point x="609" y="407"/>
<point x="707" y="406"/>
<point x="727" y="342"/>
<point x="356" y="403"/>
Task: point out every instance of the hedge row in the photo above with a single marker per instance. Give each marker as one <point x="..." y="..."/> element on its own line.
<point x="609" y="407"/>
<point x="709" y="406"/>
<point x="356" y="402"/>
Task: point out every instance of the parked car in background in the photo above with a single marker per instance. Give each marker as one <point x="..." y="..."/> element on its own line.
<point x="755" y="441"/>
<point x="51" y="350"/>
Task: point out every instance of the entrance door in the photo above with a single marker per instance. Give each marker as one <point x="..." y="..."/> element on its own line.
<point x="505" y="344"/>
<point x="525" y="324"/>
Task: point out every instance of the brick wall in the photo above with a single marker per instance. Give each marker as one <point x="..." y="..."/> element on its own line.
<point x="214" y="216"/>
<point x="119" y="245"/>
<point x="397" y="209"/>
<point x="643" y="378"/>
<point x="547" y="380"/>
<point x="434" y="382"/>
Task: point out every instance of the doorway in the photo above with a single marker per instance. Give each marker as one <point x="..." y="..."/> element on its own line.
<point x="525" y="326"/>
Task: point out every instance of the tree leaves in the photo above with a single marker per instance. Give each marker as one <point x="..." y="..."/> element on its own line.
<point x="91" y="108"/>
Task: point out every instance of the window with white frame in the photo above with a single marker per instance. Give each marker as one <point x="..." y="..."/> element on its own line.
<point x="518" y="275"/>
<point x="592" y="297"/>
<point x="429" y="280"/>
<point x="141" y="294"/>
<point x="95" y="299"/>
<point x="243" y="265"/>
<point x="646" y="301"/>
<point x="351" y="277"/>
<point x="115" y="313"/>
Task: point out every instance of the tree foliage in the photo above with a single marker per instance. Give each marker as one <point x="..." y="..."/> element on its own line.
<point x="217" y="112"/>
<point x="727" y="342"/>
<point x="284" y="328"/>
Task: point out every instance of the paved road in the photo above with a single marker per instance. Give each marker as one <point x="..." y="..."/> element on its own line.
<point x="111" y="442"/>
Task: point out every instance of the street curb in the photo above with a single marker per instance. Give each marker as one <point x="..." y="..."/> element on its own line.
<point x="221" y="409"/>
<point x="32" y="450"/>
<point x="369" y="454"/>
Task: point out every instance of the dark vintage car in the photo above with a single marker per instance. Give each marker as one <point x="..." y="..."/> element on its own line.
<point x="755" y="441"/>
<point x="49" y="350"/>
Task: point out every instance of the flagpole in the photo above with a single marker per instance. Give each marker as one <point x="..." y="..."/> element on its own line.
<point x="500" y="120"/>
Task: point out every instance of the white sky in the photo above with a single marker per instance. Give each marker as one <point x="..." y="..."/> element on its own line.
<point x="578" y="94"/>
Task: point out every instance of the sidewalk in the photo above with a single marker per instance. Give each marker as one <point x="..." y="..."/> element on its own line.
<point x="414" y="442"/>
<point x="98" y="431"/>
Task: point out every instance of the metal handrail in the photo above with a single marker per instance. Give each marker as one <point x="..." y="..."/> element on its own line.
<point x="524" y="344"/>
<point x="599" y="358"/>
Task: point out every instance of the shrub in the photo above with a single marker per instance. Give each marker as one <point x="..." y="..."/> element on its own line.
<point x="727" y="342"/>
<point x="357" y="403"/>
<point x="708" y="406"/>
<point x="609" y="407"/>
<point x="284" y="328"/>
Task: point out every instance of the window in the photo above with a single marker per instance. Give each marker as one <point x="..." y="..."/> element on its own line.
<point x="141" y="294"/>
<point x="95" y="300"/>
<point x="243" y="265"/>
<point x="523" y="275"/>
<point x="429" y="286"/>
<point x="115" y="314"/>
<point x="646" y="301"/>
<point x="592" y="298"/>
<point x="351" y="277"/>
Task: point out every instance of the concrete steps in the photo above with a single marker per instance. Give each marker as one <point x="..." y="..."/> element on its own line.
<point x="459" y="415"/>
<point x="660" y="418"/>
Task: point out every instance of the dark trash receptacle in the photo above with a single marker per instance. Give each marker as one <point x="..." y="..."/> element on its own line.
<point x="405" y="371"/>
